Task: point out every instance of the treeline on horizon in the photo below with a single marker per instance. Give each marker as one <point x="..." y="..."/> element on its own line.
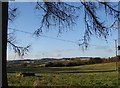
<point x="46" y="62"/>
<point x="79" y="62"/>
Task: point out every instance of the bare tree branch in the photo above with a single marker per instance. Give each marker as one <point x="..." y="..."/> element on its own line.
<point x="12" y="14"/>
<point x="56" y="13"/>
<point x="20" y="50"/>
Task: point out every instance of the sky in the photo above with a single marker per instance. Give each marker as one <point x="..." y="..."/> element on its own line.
<point x="60" y="0"/>
<point x="28" y="20"/>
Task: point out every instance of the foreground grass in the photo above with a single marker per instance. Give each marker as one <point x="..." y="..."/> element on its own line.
<point x="79" y="79"/>
<point x="66" y="76"/>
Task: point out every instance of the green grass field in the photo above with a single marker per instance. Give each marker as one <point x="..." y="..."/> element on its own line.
<point x="84" y="68"/>
<point x="87" y="75"/>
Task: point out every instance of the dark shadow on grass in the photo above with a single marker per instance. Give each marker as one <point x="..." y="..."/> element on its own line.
<point x="96" y="71"/>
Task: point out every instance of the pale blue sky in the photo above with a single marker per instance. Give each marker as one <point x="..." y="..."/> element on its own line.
<point x="29" y="20"/>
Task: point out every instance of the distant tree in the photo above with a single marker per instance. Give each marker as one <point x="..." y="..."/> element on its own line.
<point x="64" y="15"/>
<point x="95" y="60"/>
<point x="49" y="64"/>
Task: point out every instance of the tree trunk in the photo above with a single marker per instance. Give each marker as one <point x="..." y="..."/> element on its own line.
<point x="4" y="43"/>
<point x="0" y="44"/>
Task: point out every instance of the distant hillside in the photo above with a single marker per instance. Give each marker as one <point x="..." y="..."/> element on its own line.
<point x="43" y="60"/>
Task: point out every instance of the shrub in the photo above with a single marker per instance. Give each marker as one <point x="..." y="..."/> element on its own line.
<point x="54" y="64"/>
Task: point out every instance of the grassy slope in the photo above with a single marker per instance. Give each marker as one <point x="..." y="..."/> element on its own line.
<point x="83" y="79"/>
<point x="84" y="68"/>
